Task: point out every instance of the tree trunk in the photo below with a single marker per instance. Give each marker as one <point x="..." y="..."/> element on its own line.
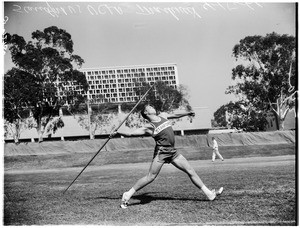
<point x="276" y="120"/>
<point x="89" y="111"/>
<point x="17" y="132"/>
<point x="281" y="124"/>
<point x="16" y="139"/>
<point x="40" y="132"/>
<point x="93" y="128"/>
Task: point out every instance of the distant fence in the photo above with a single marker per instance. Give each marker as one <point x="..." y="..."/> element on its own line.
<point x="123" y="144"/>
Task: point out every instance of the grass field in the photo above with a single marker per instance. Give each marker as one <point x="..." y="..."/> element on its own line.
<point x="259" y="190"/>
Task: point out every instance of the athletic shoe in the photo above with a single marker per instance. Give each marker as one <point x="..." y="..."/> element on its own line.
<point x="125" y="200"/>
<point x="219" y="192"/>
<point x="215" y="194"/>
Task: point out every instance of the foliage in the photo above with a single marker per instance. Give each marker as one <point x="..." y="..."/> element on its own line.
<point x="240" y="116"/>
<point x="266" y="74"/>
<point x="97" y="121"/>
<point x="96" y="116"/>
<point x="135" y="121"/>
<point x="44" y="68"/>
<point x="20" y="92"/>
<point x="53" y="125"/>
<point x="15" y="128"/>
<point x="163" y="97"/>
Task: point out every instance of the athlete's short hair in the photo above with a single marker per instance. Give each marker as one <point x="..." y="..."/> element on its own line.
<point x="143" y="112"/>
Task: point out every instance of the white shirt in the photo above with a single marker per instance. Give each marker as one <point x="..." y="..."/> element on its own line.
<point x="215" y="144"/>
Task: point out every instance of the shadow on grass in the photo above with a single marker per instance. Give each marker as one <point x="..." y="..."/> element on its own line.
<point x="146" y="198"/>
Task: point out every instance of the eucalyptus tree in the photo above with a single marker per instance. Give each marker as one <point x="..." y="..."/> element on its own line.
<point x="47" y="70"/>
<point x="240" y="116"/>
<point x="163" y="97"/>
<point x="265" y="76"/>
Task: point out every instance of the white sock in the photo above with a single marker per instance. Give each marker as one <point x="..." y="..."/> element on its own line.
<point x="130" y="193"/>
<point x="206" y="190"/>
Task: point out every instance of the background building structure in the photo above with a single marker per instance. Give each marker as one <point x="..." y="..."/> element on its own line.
<point x="117" y="84"/>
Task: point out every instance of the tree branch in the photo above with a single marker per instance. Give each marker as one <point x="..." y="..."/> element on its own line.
<point x="271" y="105"/>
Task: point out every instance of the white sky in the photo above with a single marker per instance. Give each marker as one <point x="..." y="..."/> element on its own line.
<point x="199" y="39"/>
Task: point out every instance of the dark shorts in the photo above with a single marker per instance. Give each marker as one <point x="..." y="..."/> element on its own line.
<point x="165" y="154"/>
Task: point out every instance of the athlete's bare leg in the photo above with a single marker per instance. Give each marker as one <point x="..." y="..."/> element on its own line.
<point x="181" y="163"/>
<point x="154" y="170"/>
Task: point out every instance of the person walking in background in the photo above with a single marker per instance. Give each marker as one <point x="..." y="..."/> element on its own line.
<point x="160" y="128"/>
<point x="216" y="150"/>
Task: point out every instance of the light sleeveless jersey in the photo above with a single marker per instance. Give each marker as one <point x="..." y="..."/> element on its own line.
<point x="163" y="133"/>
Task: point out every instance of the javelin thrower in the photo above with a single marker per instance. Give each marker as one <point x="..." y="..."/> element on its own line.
<point x="160" y="128"/>
<point x="111" y="136"/>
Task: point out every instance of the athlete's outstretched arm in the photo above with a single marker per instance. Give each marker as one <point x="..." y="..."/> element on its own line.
<point x="137" y="132"/>
<point x="177" y="116"/>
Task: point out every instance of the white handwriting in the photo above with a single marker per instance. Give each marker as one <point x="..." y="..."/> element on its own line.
<point x="106" y="9"/>
<point x="174" y="11"/>
<point x="53" y="11"/>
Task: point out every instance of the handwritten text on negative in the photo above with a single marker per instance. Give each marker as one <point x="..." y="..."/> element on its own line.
<point x="143" y="10"/>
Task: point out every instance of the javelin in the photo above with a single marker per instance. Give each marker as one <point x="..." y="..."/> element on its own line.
<point x="110" y="136"/>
